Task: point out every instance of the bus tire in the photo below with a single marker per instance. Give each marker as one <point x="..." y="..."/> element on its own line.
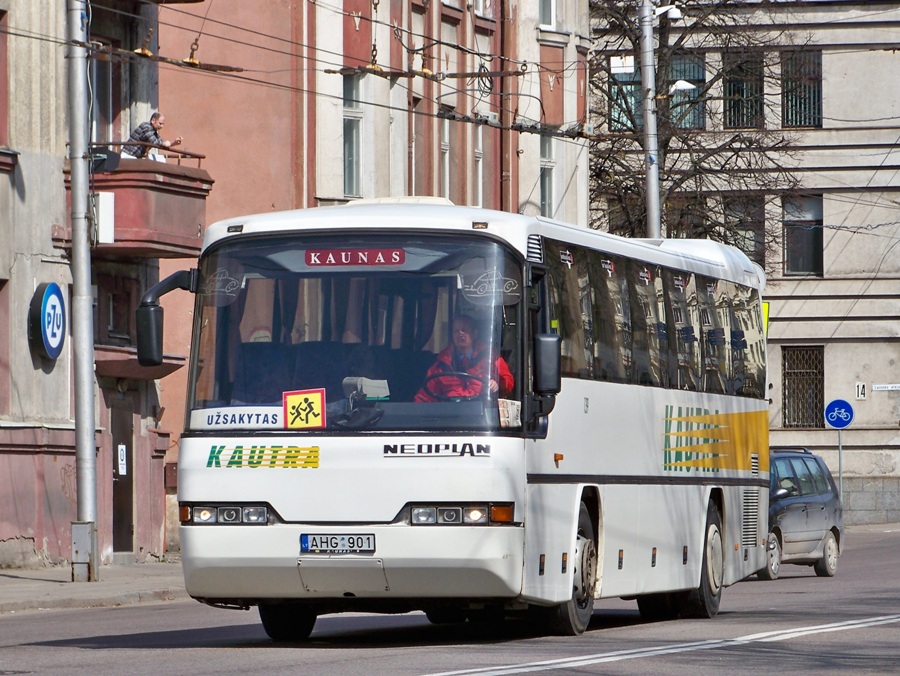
<point x="573" y="617"/>
<point x="703" y="602"/>
<point x="287" y="622"/>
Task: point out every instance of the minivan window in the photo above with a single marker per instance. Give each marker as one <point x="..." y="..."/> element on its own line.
<point x="807" y="485"/>
<point x="818" y="475"/>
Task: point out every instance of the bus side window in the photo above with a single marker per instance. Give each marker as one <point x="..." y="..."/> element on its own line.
<point x="612" y="318"/>
<point x="569" y="294"/>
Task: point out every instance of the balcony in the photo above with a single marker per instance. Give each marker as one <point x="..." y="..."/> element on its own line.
<point x="146" y="208"/>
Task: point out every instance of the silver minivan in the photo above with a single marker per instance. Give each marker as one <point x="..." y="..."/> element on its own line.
<point x="806" y="518"/>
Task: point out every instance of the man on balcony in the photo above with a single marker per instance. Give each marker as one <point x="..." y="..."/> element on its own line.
<point x="147" y="132"/>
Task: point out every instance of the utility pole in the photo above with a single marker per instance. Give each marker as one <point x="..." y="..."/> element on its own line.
<point x="651" y="140"/>
<point x="84" y="530"/>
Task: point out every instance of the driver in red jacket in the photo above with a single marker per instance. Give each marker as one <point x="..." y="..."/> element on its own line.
<point x="466" y="354"/>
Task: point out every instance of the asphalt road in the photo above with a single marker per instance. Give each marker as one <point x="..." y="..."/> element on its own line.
<point x="797" y="624"/>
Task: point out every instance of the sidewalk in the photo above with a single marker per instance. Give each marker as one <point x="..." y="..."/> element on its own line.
<point x="52" y="588"/>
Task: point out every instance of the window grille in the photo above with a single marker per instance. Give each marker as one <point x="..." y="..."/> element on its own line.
<point x="801" y="89"/>
<point x="803" y="387"/>
<point x="744" y="91"/>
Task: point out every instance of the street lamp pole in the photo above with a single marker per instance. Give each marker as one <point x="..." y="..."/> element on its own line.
<point x="651" y="139"/>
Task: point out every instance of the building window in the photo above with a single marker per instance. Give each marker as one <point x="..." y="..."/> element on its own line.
<point x="352" y="134"/>
<point x="625" y="111"/>
<point x="745" y="226"/>
<point x="803" y="387"/>
<point x="801" y="89"/>
<point x="478" y="166"/>
<point x="102" y="113"/>
<point x="744" y="91"/>
<point x="445" y="157"/>
<point x="547" y="14"/>
<point x="484" y="8"/>
<point x="686" y="217"/>
<point x="4" y="80"/>
<point x="686" y="110"/>
<point x="548" y="163"/>
<point x="803" y="236"/>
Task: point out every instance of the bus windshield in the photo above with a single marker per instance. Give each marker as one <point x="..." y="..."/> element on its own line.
<point x="355" y="331"/>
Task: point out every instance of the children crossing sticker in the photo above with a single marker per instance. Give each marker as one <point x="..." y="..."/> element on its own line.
<point x="304" y="409"/>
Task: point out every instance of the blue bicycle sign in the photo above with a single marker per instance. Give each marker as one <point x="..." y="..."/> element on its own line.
<point x="838" y="414"/>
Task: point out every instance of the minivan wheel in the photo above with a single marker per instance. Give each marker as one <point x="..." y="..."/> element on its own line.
<point x="773" y="559"/>
<point x="827" y="565"/>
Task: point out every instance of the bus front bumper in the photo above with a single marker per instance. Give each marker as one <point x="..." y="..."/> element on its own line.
<point x="249" y="563"/>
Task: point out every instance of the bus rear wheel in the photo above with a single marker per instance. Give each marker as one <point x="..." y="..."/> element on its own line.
<point x="287" y="622"/>
<point x="703" y="602"/>
<point x="572" y="618"/>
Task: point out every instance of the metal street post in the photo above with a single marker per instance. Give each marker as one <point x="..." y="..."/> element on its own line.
<point x="84" y="530"/>
<point x="651" y="140"/>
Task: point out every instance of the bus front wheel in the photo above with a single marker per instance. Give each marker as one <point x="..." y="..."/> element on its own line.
<point x="703" y="602"/>
<point x="287" y="622"/>
<point x="572" y="618"/>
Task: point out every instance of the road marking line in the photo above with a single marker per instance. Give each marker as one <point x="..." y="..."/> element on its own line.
<point x="619" y="655"/>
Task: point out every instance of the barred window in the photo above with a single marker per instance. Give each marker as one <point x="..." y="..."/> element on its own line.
<point x="801" y="89"/>
<point x="803" y="387"/>
<point x="744" y="91"/>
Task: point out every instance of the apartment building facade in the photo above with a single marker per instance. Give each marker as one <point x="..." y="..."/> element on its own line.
<point x="814" y="80"/>
<point x="141" y="211"/>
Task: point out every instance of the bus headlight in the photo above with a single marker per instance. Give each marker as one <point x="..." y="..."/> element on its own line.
<point x="223" y="514"/>
<point x="461" y="515"/>
<point x="423" y="515"/>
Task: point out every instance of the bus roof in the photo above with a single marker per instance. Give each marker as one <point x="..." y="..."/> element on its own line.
<point x="437" y="214"/>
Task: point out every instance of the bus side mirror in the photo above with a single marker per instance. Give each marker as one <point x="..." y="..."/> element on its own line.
<point x="547" y="358"/>
<point x="150" y="335"/>
<point x="149" y="316"/>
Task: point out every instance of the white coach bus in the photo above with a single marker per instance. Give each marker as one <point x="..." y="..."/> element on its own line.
<point x="339" y="455"/>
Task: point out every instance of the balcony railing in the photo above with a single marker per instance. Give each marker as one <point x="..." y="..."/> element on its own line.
<point x="145" y="208"/>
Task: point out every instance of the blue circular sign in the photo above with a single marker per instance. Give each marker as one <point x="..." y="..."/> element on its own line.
<point x="47" y="320"/>
<point x="839" y="414"/>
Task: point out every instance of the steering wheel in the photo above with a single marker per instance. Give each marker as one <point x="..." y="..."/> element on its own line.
<point x="458" y="374"/>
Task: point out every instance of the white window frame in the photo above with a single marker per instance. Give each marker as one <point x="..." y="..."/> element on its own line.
<point x="483" y="8"/>
<point x="102" y="88"/>
<point x="445" y="157"/>
<point x="352" y="136"/>
<point x="547" y="14"/>
<point x="548" y="165"/>
<point x="478" y="166"/>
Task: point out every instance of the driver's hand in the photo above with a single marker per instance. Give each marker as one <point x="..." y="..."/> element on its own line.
<point x="493" y="386"/>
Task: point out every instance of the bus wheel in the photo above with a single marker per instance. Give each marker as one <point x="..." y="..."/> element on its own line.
<point x="287" y="622"/>
<point x="572" y="618"/>
<point x="703" y="602"/>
